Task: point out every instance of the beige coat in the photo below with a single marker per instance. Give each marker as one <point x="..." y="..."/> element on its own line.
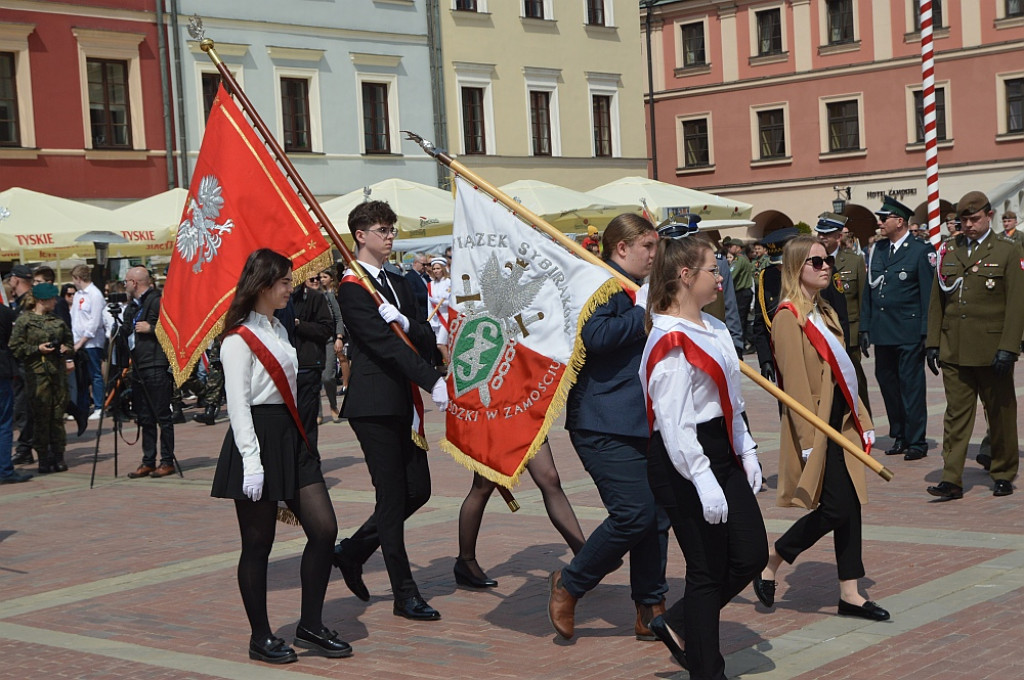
<point x="806" y="377"/>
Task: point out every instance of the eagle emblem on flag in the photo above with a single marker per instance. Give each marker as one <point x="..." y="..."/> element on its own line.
<point x="200" y="236"/>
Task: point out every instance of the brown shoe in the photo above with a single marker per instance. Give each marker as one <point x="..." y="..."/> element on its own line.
<point x="143" y="471"/>
<point x="644" y="614"/>
<point x="561" y="607"/>
<point x="162" y="471"/>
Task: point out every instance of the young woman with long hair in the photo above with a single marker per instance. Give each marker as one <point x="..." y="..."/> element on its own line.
<point x="439" y="289"/>
<point x="814" y="472"/>
<point x="265" y="459"/>
<point x="703" y="462"/>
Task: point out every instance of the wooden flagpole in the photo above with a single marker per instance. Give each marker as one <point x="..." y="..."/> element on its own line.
<point x="539" y="223"/>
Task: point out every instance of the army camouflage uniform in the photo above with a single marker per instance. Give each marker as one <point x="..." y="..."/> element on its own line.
<point x="214" y="390"/>
<point x="852" y="274"/>
<point x="45" y="381"/>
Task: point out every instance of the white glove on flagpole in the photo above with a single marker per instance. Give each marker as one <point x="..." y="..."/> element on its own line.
<point x="390" y="313"/>
<point x="439" y="394"/>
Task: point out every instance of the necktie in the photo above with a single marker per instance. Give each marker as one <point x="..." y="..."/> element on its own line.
<point x="892" y="249"/>
<point x="385" y="289"/>
<point x="970" y="248"/>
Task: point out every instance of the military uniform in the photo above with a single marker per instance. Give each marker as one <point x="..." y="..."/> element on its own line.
<point x="977" y="310"/>
<point x="45" y="382"/>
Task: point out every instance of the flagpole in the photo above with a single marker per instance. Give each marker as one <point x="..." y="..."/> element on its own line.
<point x="539" y="223"/>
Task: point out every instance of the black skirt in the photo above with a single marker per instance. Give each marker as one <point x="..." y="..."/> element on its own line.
<point x="288" y="464"/>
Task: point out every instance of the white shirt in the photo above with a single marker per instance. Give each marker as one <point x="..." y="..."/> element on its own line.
<point x="438" y="292"/>
<point x="684" y="396"/>
<point x="87" y="316"/>
<point x="373" y="271"/>
<point x="247" y="383"/>
<point x="895" y="245"/>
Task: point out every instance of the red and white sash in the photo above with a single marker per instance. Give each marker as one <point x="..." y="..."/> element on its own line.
<point x="418" y="434"/>
<point x="831" y="350"/>
<point x="440" y="314"/>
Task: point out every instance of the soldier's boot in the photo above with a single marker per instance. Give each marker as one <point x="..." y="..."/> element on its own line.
<point x="58" y="462"/>
<point x="45" y="462"/>
<point x="209" y="416"/>
<point x="177" y="416"/>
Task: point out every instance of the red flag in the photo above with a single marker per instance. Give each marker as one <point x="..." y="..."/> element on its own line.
<point x="239" y="201"/>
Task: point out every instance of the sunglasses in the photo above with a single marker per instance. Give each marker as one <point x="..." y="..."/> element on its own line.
<point x="313" y="279"/>
<point x="817" y="262"/>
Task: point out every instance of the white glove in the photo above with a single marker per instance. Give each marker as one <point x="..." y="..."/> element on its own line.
<point x="252" y="486"/>
<point x="869" y="438"/>
<point x="712" y="498"/>
<point x="440" y="395"/>
<point x="752" y="467"/>
<point x="641" y="295"/>
<point x="806" y="453"/>
<point x="390" y="313"/>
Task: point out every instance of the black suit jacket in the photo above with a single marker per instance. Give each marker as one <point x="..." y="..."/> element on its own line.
<point x="148" y="352"/>
<point x="382" y="364"/>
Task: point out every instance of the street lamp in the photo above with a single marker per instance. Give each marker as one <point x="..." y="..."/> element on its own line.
<point x="101" y="241"/>
<point x="839" y="203"/>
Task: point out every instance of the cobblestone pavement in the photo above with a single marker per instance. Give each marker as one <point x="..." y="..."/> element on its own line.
<point x="136" y="578"/>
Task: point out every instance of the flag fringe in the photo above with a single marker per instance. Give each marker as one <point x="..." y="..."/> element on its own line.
<point x="575" y="364"/>
<point x="420" y="441"/>
<point x="286" y="516"/>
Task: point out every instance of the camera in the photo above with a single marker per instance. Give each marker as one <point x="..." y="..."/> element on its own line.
<point x="117" y="298"/>
<point x="51" y="345"/>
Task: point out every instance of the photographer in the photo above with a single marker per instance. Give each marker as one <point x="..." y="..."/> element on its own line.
<point x="151" y="378"/>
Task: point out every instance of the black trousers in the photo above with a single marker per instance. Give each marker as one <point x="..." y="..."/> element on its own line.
<point x="401" y="479"/>
<point x="151" y="395"/>
<point x="838" y="510"/>
<point x="721" y="559"/>
<point x="899" y="370"/>
<point x="307" y="403"/>
<point x="743" y="300"/>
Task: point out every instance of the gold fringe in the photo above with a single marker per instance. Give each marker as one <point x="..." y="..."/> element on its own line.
<point x="286" y="516"/>
<point x="575" y="364"/>
<point x="420" y="441"/>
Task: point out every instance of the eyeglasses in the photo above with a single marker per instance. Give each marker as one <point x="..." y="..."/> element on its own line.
<point x="817" y="262"/>
<point x="385" y="231"/>
<point x="313" y="279"/>
<point x="714" y="271"/>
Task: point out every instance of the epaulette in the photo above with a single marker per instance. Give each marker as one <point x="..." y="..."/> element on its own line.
<point x="1004" y="237"/>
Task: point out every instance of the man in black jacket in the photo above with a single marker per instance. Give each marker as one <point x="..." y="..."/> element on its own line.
<point x="313" y="328"/>
<point x="8" y="370"/>
<point x="151" y="377"/>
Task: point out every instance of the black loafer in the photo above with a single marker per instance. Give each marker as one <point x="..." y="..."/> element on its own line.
<point x="984" y="460"/>
<point x="662" y="632"/>
<point x="946" y="491"/>
<point x="765" y="591"/>
<point x="898" y="447"/>
<point x="324" y="642"/>
<point x="416" y="609"/>
<point x="464" y="576"/>
<point x="915" y="454"/>
<point x="868" y="610"/>
<point x="271" y="650"/>
<point x="352" y="572"/>
<point x="1002" y="488"/>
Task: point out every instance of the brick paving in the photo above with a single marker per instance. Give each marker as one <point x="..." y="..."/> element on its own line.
<point x="135" y="578"/>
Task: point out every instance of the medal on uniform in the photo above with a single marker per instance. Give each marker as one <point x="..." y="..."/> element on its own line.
<point x="903" y="276"/>
<point x="974" y="269"/>
<point x="990" y="284"/>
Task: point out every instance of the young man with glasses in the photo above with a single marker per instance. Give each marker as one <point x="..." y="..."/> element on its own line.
<point x="894" y="318"/>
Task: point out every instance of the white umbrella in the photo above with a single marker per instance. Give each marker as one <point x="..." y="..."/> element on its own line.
<point x="568" y="210"/>
<point x="663" y="200"/>
<point x="422" y="210"/>
<point x="152" y="224"/>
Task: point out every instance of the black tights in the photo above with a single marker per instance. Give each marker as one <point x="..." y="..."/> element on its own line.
<point x="257" y="523"/>
<point x="544" y="474"/>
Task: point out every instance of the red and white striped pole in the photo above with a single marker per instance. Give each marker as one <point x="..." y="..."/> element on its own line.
<point x="931" y="142"/>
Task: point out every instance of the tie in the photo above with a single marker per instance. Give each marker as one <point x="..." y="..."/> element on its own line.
<point x="970" y="248"/>
<point x="892" y="249"/>
<point x="385" y="289"/>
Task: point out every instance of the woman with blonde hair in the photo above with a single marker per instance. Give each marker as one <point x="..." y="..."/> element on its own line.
<point x="439" y="289"/>
<point x="703" y="466"/>
<point x="814" y="472"/>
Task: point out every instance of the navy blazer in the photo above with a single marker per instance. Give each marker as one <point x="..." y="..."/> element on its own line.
<point x="895" y="312"/>
<point x="607" y="396"/>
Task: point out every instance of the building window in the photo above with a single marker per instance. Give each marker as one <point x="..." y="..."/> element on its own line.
<point x="696" y="147"/>
<point x="693" y="44"/>
<point x="376" y="135"/>
<point x="1015" y="105"/>
<point x="843" y="126"/>
<point x="840" y="21"/>
<point x="595" y="12"/>
<point x="474" y="136"/>
<point x="211" y="83"/>
<point x="533" y="9"/>
<point x="10" y="131"/>
<point x="466" y="5"/>
<point x="769" y="32"/>
<point x="940" y="114"/>
<point x="109" y="116"/>
<point x="540" y="122"/>
<point x="295" y="114"/>
<point x="771" y="133"/>
<point x="1015" y="8"/>
<point x="936" y="13"/>
<point x="602" y="125"/>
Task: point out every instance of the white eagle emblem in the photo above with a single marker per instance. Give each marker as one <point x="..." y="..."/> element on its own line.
<point x="503" y="296"/>
<point x="199" y="236"/>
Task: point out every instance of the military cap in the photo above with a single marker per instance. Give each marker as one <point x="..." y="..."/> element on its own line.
<point x="20" y="271"/>
<point x="972" y="202"/>
<point x="953" y="220"/>
<point x="1009" y="215"/>
<point x="44" y="291"/>
<point x="890" y="206"/>
<point x="829" y="223"/>
<point x="679" y="226"/>
<point x="777" y="240"/>
<point x="730" y="241"/>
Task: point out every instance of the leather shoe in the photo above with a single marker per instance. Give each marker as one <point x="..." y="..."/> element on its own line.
<point x="868" y="610"/>
<point x="324" y="642"/>
<point x="645" y="613"/>
<point x="915" y="454"/>
<point x="561" y="607"/>
<point x="984" y="460"/>
<point x="162" y="471"/>
<point x="1002" y="488"/>
<point x="44" y="469"/>
<point x="15" y="477"/>
<point x="271" y="649"/>
<point x="765" y="591"/>
<point x="662" y="632"/>
<point x="352" y="572"/>
<point x="898" y="447"/>
<point x="947" y="491"/>
<point x="416" y="609"/>
<point x="60" y="466"/>
<point x="142" y="471"/>
<point x="464" y="576"/>
<point x="22" y="458"/>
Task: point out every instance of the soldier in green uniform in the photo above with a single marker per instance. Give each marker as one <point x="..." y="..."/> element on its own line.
<point x="849" y="274"/>
<point x="975" y="327"/>
<point x="214" y="390"/>
<point x="1010" y="229"/>
<point x="40" y="340"/>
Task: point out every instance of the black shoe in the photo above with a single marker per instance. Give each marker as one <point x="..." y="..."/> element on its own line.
<point x="765" y="591"/>
<point x="271" y="649"/>
<point x="207" y="417"/>
<point x="915" y="454"/>
<point x="464" y="575"/>
<point x="947" y="491"/>
<point x="416" y="609"/>
<point x="352" y="573"/>
<point x="661" y="631"/>
<point x="1002" y="488"/>
<point x="22" y="458"/>
<point x="178" y="418"/>
<point x="15" y="477"/>
<point x="868" y="610"/>
<point x="984" y="460"/>
<point x="44" y="469"/>
<point x="325" y="642"/>
<point x="60" y="466"/>
<point x="898" y="447"/>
